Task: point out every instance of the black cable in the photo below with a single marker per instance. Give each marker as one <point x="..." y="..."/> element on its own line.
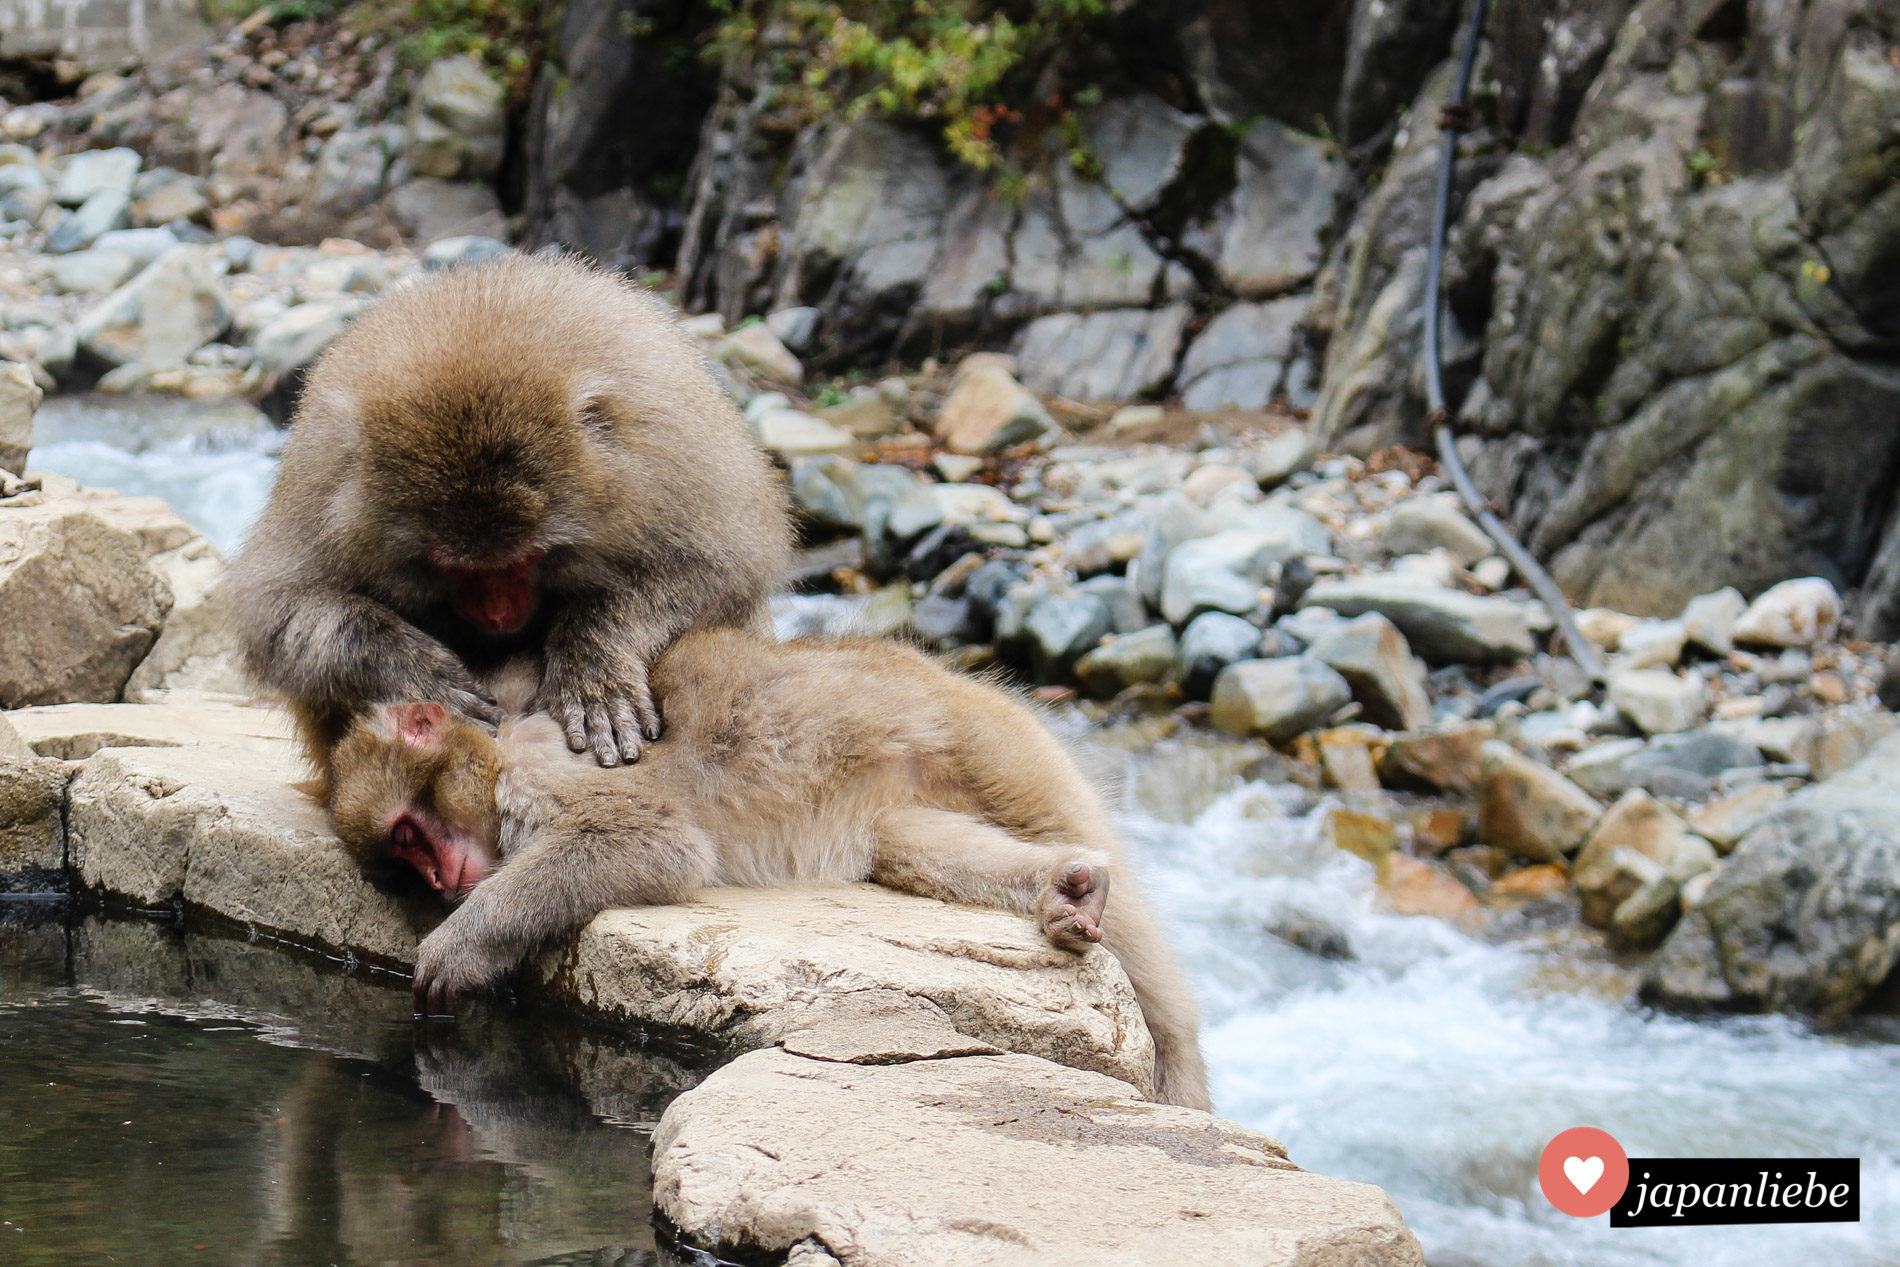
<point x="1454" y="120"/>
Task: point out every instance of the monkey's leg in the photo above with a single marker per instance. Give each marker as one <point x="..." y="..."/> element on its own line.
<point x="952" y="856"/>
<point x="625" y="850"/>
<point x="596" y="684"/>
<point x="942" y="854"/>
<point x="349" y="652"/>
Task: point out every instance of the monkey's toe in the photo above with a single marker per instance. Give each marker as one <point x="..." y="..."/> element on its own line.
<point x="1072" y="912"/>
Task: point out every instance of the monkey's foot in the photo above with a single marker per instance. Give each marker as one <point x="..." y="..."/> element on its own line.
<point x="1072" y="907"/>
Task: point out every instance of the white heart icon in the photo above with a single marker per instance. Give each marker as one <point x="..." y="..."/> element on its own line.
<point x="1583" y="1172"/>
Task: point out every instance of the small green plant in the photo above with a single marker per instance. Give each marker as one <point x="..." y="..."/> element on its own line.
<point x="832" y="395"/>
<point x="505" y="35"/>
<point x="1709" y="168"/>
<point x="985" y="71"/>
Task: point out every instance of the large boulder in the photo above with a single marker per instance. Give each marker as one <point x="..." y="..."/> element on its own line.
<point x="82" y="608"/>
<point x="1804" y="916"/>
<point x="457" y="127"/>
<point x="783" y="1151"/>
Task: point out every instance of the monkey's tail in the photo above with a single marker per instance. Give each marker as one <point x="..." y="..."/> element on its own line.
<point x="1130" y="933"/>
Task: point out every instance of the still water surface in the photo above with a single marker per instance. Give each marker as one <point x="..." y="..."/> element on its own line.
<point x="189" y="1099"/>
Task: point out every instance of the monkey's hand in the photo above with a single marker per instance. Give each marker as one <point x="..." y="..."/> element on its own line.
<point x="467" y="951"/>
<point x="599" y="694"/>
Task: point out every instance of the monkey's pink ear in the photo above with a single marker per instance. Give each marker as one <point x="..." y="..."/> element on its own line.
<point x="419" y="725"/>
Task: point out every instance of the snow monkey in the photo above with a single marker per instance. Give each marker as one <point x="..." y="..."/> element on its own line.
<point x="805" y="761"/>
<point x="526" y="454"/>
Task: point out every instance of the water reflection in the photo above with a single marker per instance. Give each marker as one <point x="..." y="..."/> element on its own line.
<point x="198" y="1099"/>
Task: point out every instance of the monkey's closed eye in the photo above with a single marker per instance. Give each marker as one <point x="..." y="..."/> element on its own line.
<point x="594" y="416"/>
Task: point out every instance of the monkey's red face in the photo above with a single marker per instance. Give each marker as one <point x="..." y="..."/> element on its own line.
<point x="451" y="862"/>
<point x="414" y="788"/>
<point x="496" y="600"/>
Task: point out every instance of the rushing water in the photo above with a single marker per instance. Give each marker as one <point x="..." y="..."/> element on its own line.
<point x="1432" y="1063"/>
<point x="196" y="1099"/>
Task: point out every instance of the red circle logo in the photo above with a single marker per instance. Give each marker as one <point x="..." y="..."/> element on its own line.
<point x="1584" y="1171"/>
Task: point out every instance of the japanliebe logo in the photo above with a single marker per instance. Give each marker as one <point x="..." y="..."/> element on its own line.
<point x="1584" y="1172"/>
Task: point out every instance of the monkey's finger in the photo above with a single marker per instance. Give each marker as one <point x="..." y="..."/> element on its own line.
<point x="627" y="729"/>
<point x="647" y="711"/>
<point x="600" y="737"/>
<point x="574" y="722"/>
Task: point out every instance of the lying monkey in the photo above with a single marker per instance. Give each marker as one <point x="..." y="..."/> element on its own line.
<point x="783" y="763"/>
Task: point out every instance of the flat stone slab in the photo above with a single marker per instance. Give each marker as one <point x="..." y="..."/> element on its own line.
<point x="996" y="1160"/>
<point x="192" y="798"/>
<point x="753" y="965"/>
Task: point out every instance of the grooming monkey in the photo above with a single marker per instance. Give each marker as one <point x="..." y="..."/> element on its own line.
<point x="783" y="763"/>
<point x="523" y="455"/>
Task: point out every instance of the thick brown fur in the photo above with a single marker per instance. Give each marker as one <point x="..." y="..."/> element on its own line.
<point x="788" y="763"/>
<point x="472" y="421"/>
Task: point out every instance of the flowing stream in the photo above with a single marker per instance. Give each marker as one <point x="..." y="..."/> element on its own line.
<point x="1432" y="1063"/>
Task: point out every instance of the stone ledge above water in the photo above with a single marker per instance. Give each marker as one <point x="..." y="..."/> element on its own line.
<point x="891" y="1009"/>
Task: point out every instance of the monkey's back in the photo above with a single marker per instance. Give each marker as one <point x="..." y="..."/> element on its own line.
<point x="856" y="723"/>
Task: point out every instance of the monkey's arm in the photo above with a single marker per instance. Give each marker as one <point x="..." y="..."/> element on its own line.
<point x="596" y="686"/>
<point x="341" y="651"/>
<point x="618" y="848"/>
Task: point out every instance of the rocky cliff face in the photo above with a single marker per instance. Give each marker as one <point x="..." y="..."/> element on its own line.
<point x="1670" y="283"/>
<point x="1676" y="324"/>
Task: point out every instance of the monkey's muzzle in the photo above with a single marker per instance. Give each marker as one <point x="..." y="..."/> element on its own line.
<point x="497" y="600"/>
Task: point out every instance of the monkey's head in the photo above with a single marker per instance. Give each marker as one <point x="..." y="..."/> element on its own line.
<point x="477" y="476"/>
<point x="413" y="787"/>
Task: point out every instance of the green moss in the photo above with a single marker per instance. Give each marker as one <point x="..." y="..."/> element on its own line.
<point x="989" y="73"/>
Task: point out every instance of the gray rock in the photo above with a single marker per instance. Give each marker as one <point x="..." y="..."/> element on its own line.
<point x="163" y="196"/>
<point x="1804" y="916"/>
<point x="794" y="327"/>
<point x="1644" y="918"/>
<point x="1130" y="659"/>
<point x="1224" y="572"/>
<point x="1238" y="361"/>
<point x="1110" y="355"/>
<point x="1269" y="230"/>
<point x="1709" y="619"/>
<point x="32" y="816"/>
<point x="429" y="210"/>
<point x="938" y="619"/>
<point x="161" y="316"/>
<point x="793" y="433"/>
<point x="837" y="491"/>
<point x="1603" y="769"/>
<point x="1280" y="456"/>
<point x="1212" y="641"/>
<point x="90" y="173"/>
<point x="101" y="213"/>
<point x="1657" y="700"/>
<point x="15" y="177"/>
<point x="457" y="126"/>
<point x="142" y="245"/>
<point x="1637" y="841"/>
<point x="450" y="252"/>
<point x="291" y="341"/>
<point x="1277" y="699"/>
<point x="1386" y="679"/>
<point x="1125" y="608"/>
<point x="1435" y="522"/>
<point x="1061" y="628"/>
<point x="863" y="232"/>
<point x="780" y="1152"/>
<point x="1444" y="626"/>
<point x="351" y="169"/>
<point x="82" y="607"/>
<point x="19" y="398"/>
<point x="927" y="505"/>
<point x="92" y="272"/>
